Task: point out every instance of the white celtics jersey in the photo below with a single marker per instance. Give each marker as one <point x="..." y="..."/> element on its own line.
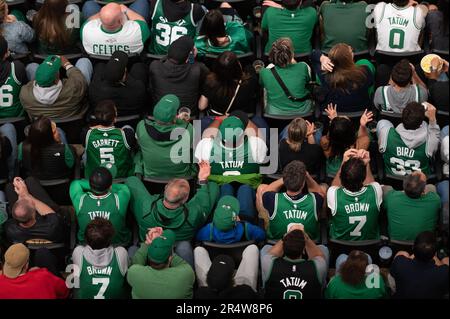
<point x="129" y="39"/>
<point x="398" y="28"/>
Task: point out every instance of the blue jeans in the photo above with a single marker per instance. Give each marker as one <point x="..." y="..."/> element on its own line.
<point x="246" y="197"/>
<point x="184" y="250"/>
<point x="9" y="131"/>
<point x="83" y="64"/>
<point x="141" y="7"/>
<point x="343" y="257"/>
<point x="444" y="132"/>
<point x="442" y="190"/>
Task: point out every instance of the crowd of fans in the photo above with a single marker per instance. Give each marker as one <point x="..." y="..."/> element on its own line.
<point x="134" y="142"/>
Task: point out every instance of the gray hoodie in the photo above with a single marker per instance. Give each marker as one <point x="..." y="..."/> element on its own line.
<point x="101" y="258"/>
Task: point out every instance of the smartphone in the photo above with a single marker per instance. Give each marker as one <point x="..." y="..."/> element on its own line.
<point x="191" y="58"/>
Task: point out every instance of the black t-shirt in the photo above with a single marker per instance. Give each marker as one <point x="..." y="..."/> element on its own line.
<point x="310" y="154"/>
<point x="5" y="152"/>
<point x="418" y="280"/>
<point x="245" y="99"/>
<point x="237" y="292"/>
<point x="50" y="227"/>
<point x="439" y="96"/>
<point x="174" y="11"/>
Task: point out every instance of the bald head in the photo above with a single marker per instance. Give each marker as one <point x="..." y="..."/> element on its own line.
<point x="177" y="192"/>
<point x="23" y="211"/>
<point x="111" y="17"/>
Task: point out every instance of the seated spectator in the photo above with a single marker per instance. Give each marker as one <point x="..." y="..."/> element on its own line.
<point x="99" y="197"/>
<point x="54" y="33"/>
<point x="113" y="81"/>
<point x="227" y="228"/>
<point x="336" y="16"/>
<point x="170" y="20"/>
<point x="48" y="95"/>
<point x="105" y="143"/>
<point x="229" y="87"/>
<point x="354" y="199"/>
<point x="438" y="84"/>
<point x="14" y="29"/>
<point x="114" y="28"/>
<point x="235" y="150"/>
<point x="297" y="206"/>
<point x="405" y="86"/>
<point x="413" y="210"/>
<point x="399" y="25"/>
<point x="99" y="262"/>
<point x="217" y="280"/>
<point x="344" y="82"/>
<point x="12" y="78"/>
<point x="298" y="144"/>
<point x="175" y="74"/>
<point x="420" y="275"/>
<point x="341" y="137"/>
<point x="442" y="187"/>
<point x="411" y="145"/>
<point x="19" y="281"/>
<point x="173" y="210"/>
<point x="353" y="281"/>
<point x="141" y="7"/>
<point x="33" y="213"/>
<point x="295" y="77"/>
<point x="217" y="36"/>
<point x="155" y="157"/>
<point x="44" y="154"/>
<point x="289" y="19"/>
<point x="437" y="25"/>
<point x="8" y="151"/>
<point x="286" y="275"/>
<point x="157" y="272"/>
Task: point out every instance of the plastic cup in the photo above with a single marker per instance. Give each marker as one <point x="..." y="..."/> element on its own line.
<point x="258" y="65"/>
<point x="184" y="113"/>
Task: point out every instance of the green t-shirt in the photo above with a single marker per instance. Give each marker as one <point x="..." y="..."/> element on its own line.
<point x="355" y="214"/>
<point x="295" y="76"/>
<point x="344" y="23"/>
<point x="288" y="212"/>
<point x="298" y="25"/>
<point x="407" y="217"/>
<point x="111" y="206"/>
<point x="10" y="105"/>
<point x="174" y="282"/>
<point x="338" y="289"/>
<point x="239" y="41"/>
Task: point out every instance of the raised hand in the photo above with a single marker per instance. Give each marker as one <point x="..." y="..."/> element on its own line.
<point x="366" y="118"/>
<point x="310" y="127"/>
<point x="204" y="170"/>
<point x="152" y="234"/>
<point x="331" y="111"/>
<point x="326" y="64"/>
<point x="349" y="154"/>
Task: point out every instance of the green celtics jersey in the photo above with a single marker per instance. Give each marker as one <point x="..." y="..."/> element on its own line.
<point x="355" y="214"/>
<point x="238" y="41"/>
<point x="369" y="288"/>
<point x="234" y="164"/>
<point x="108" y="145"/>
<point x="10" y="105"/>
<point x="401" y="160"/>
<point x="288" y="212"/>
<point x="101" y="283"/>
<point x="164" y="32"/>
<point x="333" y="164"/>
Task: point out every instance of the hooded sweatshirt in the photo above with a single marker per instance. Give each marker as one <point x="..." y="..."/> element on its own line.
<point x="242" y="231"/>
<point x="184" y="80"/>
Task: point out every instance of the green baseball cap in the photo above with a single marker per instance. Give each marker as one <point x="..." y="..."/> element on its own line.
<point x="161" y="247"/>
<point x="47" y="71"/>
<point x="231" y="128"/>
<point x="166" y="109"/>
<point x="226" y="213"/>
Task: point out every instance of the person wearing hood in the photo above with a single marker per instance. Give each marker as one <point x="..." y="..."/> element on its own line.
<point x="173" y="210"/>
<point x="178" y="73"/>
<point x="155" y="157"/>
<point x="50" y="95"/>
<point x="100" y="268"/>
<point x="412" y="144"/>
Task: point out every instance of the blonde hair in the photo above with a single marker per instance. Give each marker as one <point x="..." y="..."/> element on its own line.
<point x="282" y="52"/>
<point x="296" y="134"/>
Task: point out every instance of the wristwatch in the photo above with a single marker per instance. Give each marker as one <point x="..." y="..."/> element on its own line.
<point x="203" y="182"/>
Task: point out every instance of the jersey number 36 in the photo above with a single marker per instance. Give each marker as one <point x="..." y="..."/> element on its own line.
<point x="169" y="34"/>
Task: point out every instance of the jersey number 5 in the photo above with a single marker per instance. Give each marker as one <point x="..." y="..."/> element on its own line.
<point x="6" y="97"/>
<point x="104" y="282"/>
<point x="106" y="155"/>
<point x="168" y="34"/>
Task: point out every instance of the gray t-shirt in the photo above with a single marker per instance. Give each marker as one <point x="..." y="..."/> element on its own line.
<point x="388" y="99"/>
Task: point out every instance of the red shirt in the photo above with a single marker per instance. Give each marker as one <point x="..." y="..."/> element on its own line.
<point x="35" y="284"/>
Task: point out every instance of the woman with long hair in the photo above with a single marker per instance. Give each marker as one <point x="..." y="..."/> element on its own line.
<point x="352" y="280"/>
<point x="53" y="34"/>
<point x="14" y="29"/>
<point x="344" y="82"/>
<point x="216" y="36"/>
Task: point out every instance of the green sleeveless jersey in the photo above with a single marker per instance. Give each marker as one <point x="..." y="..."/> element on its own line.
<point x="10" y="105"/>
<point x="401" y="160"/>
<point x="107" y="207"/>
<point x="234" y="164"/>
<point x="332" y="165"/>
<point x="163" y="32"/>
<point x="108" y="145"/>
<point x="354" y="215"/>
<point x="101" y="283"/>
<point x="288" y="212"/>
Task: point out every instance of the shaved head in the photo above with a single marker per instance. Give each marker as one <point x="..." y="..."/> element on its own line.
<point x="177" y="192"/>
<point x="23" y="210"/>
<point x="111" y="16"/>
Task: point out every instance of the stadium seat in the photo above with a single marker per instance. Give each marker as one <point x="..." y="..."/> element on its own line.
<point x="338" y="247"/>
<point x="16" y="2"/>
<point x="72" y="127"/>
<point x="69" y="56"/>
<point x="59" y="250"/>
<point x="234" y="250"/>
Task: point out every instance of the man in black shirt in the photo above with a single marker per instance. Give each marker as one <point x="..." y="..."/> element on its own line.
<point x="32" y="218"/>
<point x="177" y="9"/>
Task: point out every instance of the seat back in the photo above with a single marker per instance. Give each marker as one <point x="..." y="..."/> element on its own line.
<point x="72" y="127"/>
<point x="234" y="250"/>
<point x="338" y="247"/>
<point x="59" y="250"/>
